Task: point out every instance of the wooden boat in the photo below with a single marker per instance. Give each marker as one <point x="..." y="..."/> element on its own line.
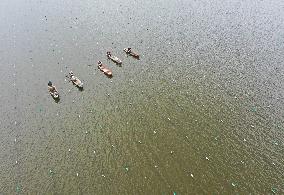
<point x="53" y="91"/>
<point x="131" y="53"/>
<point x="104" y="69"/>
<point x="75" y="80"/>
<point x="114" y="58"/>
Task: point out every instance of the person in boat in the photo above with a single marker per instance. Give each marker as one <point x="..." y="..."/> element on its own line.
<point x="99" y="63"/>
<point x="128" y="50"/>
<point x="51" y="88"/>
<point x="72" y="77"/>
<point x="108" y="54"/>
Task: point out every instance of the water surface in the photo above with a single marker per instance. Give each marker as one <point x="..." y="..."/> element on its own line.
<point x="200" y="113"/>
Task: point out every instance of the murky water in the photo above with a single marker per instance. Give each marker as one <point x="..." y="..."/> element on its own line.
<point x="200" y="113"/>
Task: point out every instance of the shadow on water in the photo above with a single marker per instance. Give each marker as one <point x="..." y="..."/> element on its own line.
<point x="118" y="64"/>
<point x="80" y="88"/>
<point x="56" y="100"/>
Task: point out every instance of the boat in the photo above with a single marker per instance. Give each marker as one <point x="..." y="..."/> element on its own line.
<point x="53" y="91"/>
<point x="114" y="58"/>
<point x="75" y="80"/>
<point x="104" y="69"/>
<point x="131" y="53"/>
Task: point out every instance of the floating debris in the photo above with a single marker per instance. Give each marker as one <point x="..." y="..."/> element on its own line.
<point x="169" y="119"/>
<point x="253" y="109"/>
<point x="154" y="132"/>
<point x="252" y="126"/>
<point x="18" y="188"/>
<point x="94" y="152"/>
<point x="274" y="190"/>
<point x="191" y="175"/>
<point x="103" y="175"/>
<point x="245" y="140"/>
<point x="50" y="172"/>
<point x="172" y="152"/>
<point x="126" y="168"/>
<point x="79" y="116"/>
<point x="234" y="185"/>
<point x="77" y="174"/>
<point x="206" y="158"/>
<point x="69" y="150"/>
<point x="156" y="166"/>
<point x="86" y="132"/>
<point x="139" y="142"/>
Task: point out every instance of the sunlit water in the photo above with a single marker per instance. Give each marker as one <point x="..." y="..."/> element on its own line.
<point x="200" y="113"/>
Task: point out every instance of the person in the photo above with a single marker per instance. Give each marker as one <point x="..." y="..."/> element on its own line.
<point x="99" y="63"/>
<point x="128" y="50"/>
<point x="108" y="54"/>
<point x="72" y="77"/>
<point x="51" y="88"/>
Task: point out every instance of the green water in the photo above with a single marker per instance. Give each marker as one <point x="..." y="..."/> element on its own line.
<point x="200" y="113"/>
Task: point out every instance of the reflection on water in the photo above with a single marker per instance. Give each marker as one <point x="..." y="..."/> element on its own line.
<point x="199" y="113"/>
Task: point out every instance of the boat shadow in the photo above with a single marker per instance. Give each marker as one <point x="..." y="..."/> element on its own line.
<point x="56" y="100"/>
<point x="80" y="88"/>
<point x="118" y="64"/>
